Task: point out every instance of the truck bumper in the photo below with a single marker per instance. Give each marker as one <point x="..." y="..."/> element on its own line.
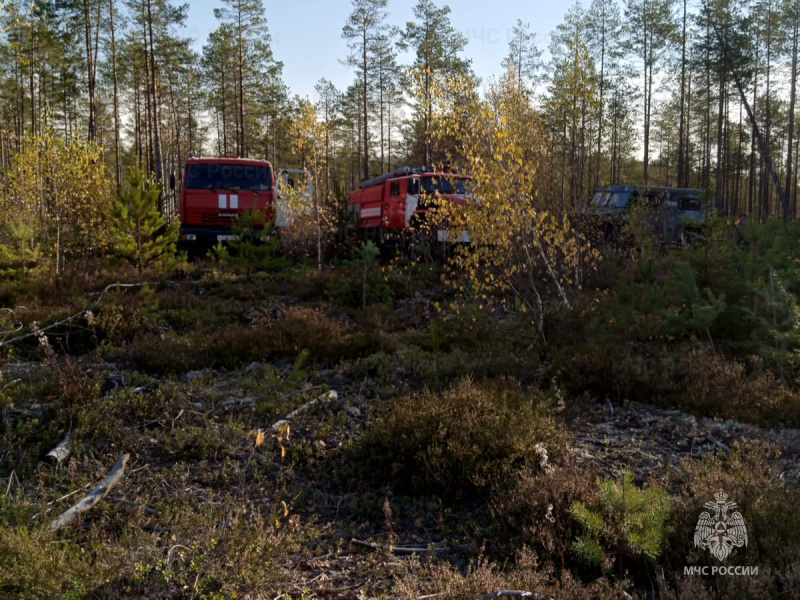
<point x="204" y="236"/>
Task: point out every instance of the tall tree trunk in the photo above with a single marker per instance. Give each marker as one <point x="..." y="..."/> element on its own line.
<point x="91" y="70"/>
<point x="32" y="82"/>
<point x="428" y="108"/>
<point x="737" y="197"/>
<point x="719" y="178"/>
<point x="381" y="116"/>
<point x="751" y="184"/>
<point x="115" y="82"/>
<point x="601" y="105"/>
<point x="159" y="159"/>
<point x="792" y="98"/>
<point x="765" y="198"/>
<point x="682" y="120"/>
<point x="648" y="86"/>
<point x="224" y="96"/>
<point x="240" y="140"/>
<point x="366" y="124"/>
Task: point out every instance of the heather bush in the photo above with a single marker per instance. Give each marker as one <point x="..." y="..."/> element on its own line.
<point x="284" y="336"/>
<point x="483" y="577"/>
<point x="694" y="377"/>
<point x="461" y="441"/>
<point x="533" y="511"/>
<point x="750" y="478"/>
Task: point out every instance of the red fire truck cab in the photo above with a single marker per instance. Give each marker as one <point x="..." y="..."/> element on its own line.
<point x="394" y="201"/>
<point x="215" y="192"/>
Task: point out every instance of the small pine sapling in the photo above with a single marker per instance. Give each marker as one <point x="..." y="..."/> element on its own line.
<point x="368" y="254"/>
<point x="139" y="231"/>
<point x="626" y="528"/>
<point x="253" y="246"/>
<point x="24" y="251"/>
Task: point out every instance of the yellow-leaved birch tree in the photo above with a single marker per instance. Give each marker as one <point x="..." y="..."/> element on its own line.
<point x="518" y="244"/>
<point x="308" y="144"/>
<point x="62" y="189"/>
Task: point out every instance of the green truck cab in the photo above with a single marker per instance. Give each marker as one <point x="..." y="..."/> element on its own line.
<point x="674" y="215"/>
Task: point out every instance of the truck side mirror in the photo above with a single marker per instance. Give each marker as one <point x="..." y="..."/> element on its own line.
<point x="172" y="181"/>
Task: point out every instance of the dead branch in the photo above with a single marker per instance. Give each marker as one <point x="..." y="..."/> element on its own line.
<point x="63" y="449"/>
<point x="338" y="590"/>
<point x="661" y="581"/>
<point x="10" y="479"/>
<point x="400" y="550"/>
<point x="239" y="402"/>
<point x="506" y="593"/>
<point x="331" y="395"/>
<point x="94" y="496"/>
<point x="792" y="476"/>
<point x="724" y="447"/>
<point x="65" y="496"/>
<point x="151" y="385"/>
<point x="39" y="330"/>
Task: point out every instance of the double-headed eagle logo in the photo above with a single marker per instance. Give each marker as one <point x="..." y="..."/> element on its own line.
<point x="720" y="533"/>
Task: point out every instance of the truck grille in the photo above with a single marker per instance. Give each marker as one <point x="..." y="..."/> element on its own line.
<point x="213" y="219"/>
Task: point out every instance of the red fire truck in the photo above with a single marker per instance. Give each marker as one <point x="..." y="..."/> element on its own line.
<point x="394" y="201"/>
<point x="215" y="192"/>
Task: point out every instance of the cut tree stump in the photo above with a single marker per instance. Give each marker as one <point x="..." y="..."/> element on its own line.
<point x="63" y="449"/>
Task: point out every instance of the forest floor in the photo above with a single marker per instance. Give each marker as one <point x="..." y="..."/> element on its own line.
<point x="228" y="492"/>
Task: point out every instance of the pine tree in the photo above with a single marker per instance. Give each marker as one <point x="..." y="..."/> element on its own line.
<point x="140" y="234"/>
<point x="437" y="45"/>
<point x="365" y="25"/>
<point x="253" y="246"/>
<point x="571" y="110"/>
<point x="652" y="33"/>
<point x="523" y="54"/>
<point x="255" y="73"/>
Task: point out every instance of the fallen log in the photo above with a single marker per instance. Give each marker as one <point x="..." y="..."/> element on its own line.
<point x="93" y="497"/>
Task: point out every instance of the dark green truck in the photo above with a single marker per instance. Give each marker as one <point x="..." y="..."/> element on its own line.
<point x="675" y="215"/>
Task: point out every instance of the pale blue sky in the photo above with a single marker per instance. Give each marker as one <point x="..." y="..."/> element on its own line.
<point x="307" y="34"/>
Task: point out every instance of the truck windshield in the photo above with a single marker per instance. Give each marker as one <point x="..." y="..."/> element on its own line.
<point x="611" y="199"/>
<point x="226" y="176"/>
<point x="444" y="185"/>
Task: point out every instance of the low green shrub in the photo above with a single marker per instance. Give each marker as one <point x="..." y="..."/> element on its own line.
<point x="292" y="332"/>
<point x="35" y="566"/>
